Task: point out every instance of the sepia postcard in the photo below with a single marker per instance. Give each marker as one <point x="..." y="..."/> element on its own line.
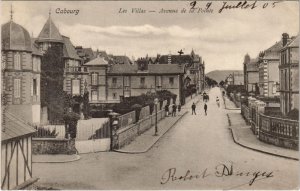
<point x="150" y="95"/>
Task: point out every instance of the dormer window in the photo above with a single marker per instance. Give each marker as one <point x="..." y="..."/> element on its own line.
<point x="17" y="61"/>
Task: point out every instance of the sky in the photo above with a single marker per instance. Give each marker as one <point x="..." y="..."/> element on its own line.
<point x="221" y="39"/>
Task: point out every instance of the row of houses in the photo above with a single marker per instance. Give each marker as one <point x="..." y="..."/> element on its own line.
<point x="275" y="73"/>
<point x="37" y="70"/>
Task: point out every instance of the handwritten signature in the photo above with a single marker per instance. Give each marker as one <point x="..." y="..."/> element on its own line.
<point x="221" y="170"/>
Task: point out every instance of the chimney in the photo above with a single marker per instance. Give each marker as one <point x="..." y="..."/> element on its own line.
<point x="285" y="38"/>
<point x="169" y="59"/>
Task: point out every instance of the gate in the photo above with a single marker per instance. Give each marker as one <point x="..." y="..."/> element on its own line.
<point x="93" y="135"/>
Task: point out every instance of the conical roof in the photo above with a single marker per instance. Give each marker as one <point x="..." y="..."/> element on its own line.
<point x="50" y="33"/>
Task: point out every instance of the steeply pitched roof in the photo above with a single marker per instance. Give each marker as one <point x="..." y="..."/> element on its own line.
<point x="50" y="32"/>
<point x="274" y="51"/>
<point x="294" y="42"/>
<point x="176" y="59"/>
<point x="89" y="52"/>
<point x="98" y="61"/>
<point x="69" y="50"/>
<point x="35" y="48"/>
<point x="152" y="69"/>
<point x="121" y="60"/>
<point x="13" y="127"/>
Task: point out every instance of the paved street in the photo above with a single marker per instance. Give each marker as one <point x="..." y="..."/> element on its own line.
<point x="199" y="147"/>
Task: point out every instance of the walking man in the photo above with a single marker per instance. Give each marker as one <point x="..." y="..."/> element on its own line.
<point x="194" y="108"/>
<point x="167" y="110"/>
<point x="179" y="108"/>
<point x="205" y="109"/>
<point x="174" y="107"/>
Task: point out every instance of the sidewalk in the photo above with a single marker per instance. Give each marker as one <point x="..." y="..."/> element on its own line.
<point x="242" y="135"/>
<point x="229" y="105"/>
<point x="145" y="141"/>
<point x="59" y="158"/>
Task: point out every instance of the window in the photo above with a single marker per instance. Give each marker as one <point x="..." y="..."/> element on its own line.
<point x="34" y="84"/>
<point x="114" y="81"/>
<point x="45" y="46"/>
<point x="171" y="81"/>
<point x="17" y="88"/>
<point x="3" y="60"/>
<point x="114" y="96"/>
<point x="17" y="61"/>
<point x="142" y="81"/>
<point x="126" y="81"/>
<point x="39" y="64"/>
<point x="158" y="81"/>
<point x="75" y="87"/>
<point x="94" y="95"/>
<point x="94" y="79"/>
<point x="35" y="64"/>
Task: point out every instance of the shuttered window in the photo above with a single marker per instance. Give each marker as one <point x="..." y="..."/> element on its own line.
<point x="17" y="88"/>
<point x="126" y="81"/>
<point x="34" y="83"/>
<point x="158" y="81"/>
<point x="75" y="87"/>
<point x="94" y="79"/>
<point x="17" y="61"/>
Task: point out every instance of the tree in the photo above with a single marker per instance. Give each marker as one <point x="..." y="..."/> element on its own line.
<point x="210" y="82"/>
<point x="222" y="83"/>
<point x="71" y="120"/>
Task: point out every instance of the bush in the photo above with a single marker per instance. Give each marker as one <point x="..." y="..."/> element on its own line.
<point x="71" y="120"/>
<point x="45" y="133"/>
<point x="137" y="108"/>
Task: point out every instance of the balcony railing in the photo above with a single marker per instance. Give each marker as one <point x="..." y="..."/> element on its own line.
<point x="76" y="69"/>
<point x="279" y="127"/>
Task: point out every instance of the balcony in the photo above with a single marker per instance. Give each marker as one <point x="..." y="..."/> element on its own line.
<point x="76" y="70"/>
<point x="104" y="101"/>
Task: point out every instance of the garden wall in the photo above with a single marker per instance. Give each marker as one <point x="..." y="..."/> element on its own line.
<point x="129" y="133"/>
<point x="53" y="146"/>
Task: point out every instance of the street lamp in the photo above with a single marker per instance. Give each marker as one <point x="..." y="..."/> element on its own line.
<point x="155" y="102"/>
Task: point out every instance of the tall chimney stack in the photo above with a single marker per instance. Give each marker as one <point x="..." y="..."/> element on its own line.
<point x="285" y="38"/>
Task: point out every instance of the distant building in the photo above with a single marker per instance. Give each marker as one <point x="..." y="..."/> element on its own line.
<point x="86" y="54"/>
<point x="236" y="78"/>
<point x="195" y="68"/>
<point x="251" y="75"/>
<point x="110" y="83"/>
<point x="269" y="72"/>
<point x="289" y="74"/>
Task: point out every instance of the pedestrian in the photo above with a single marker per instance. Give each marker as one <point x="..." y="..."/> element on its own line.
<point x="179" y="108"/>
<point x="167" y="110"/>
<point x="205" y="109"/>
<point x="174" y="107"/>
<point x="194" y="108"/>
<point x="218" y="101"/>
